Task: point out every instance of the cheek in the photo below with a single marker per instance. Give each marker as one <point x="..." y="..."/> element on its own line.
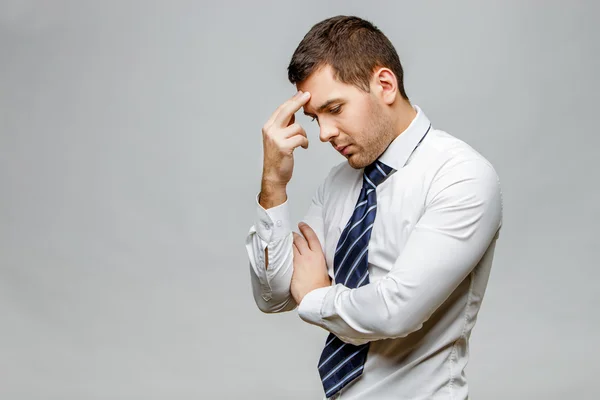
<point x="354" y="127"/>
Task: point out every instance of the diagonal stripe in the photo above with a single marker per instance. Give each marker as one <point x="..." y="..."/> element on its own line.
<point x="332" y="354"/>
<point x="382" y="172"/>
<point x="354" y="226"/>
<point x="330" y="340"/>
<point x="350" y="248"/>
<point x="353" y="213"/>
<point x="358" y="259"/>
<point x="347" y="378"/>
<point x="364" y="216"/>
<point x="341" y="364"/>
<point x="366" y="274"/>
<point x="362" y="203"/>
<point x="368" y="180"/>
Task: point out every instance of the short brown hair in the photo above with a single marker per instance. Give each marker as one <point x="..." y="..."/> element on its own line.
<point x="352" y="46"/>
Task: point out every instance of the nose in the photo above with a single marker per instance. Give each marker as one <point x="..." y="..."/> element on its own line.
<point x="328" y="132"/>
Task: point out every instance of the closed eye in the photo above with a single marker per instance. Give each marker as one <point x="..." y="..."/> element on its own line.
<point x="334" y="110"/>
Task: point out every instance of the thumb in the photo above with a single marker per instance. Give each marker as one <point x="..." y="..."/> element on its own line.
<point x="311" y="237"/>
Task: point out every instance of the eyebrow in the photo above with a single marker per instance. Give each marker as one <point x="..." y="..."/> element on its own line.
<point x="325" y="105"/>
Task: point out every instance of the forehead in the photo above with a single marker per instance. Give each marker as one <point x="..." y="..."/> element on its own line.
<point x="323" y="86"/>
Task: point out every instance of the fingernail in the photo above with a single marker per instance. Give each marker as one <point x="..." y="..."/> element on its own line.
<point x="305" y="95"/>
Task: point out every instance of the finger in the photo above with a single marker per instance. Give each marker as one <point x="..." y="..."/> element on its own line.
<point x="294" y="129"/>
<point x="300" y="243"/>
<point x="294" y="246"/>
<point x="297" y="141"/>
<point x="290" y="108"/>
<point x="276" y="112"/>
<point x="311" y="237"/>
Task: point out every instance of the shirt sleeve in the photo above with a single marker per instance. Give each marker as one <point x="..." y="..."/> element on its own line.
<point x="272" y="229"/>
<point x="462" y="216"/>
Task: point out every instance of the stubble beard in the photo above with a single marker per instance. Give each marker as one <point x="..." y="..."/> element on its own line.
<point x="378" y="137"/>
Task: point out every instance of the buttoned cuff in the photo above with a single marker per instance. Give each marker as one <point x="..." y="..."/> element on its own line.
<point x="309" y="308"/>
<point x="272" y="224"/>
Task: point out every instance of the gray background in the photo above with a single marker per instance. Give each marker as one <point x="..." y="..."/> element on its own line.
<point x="130" y="157"/>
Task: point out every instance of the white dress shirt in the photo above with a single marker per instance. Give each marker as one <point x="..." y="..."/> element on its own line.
<point x="430" y="254"/>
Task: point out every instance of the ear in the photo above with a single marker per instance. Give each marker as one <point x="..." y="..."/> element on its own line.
<point x="385" y="85"/>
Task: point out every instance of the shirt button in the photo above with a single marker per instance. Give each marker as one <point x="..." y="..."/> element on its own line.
<point x="279" y="223"/>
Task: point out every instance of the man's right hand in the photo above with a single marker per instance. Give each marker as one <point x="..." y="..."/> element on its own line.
<point x="281" y="135"/>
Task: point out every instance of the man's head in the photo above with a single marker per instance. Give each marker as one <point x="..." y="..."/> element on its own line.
<point x="355" y="79"/>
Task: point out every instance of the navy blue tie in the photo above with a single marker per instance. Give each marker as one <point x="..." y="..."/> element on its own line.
<point x="340" y="362"/>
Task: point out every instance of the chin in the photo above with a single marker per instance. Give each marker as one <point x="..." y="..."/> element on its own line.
<point x="356" y="162"/>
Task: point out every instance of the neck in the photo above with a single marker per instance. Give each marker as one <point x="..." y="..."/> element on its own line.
<point x="405" y="114"/>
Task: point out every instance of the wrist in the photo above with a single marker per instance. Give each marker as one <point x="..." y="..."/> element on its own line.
<point x="273" y="181"/>
<point x="310" y="306"/>
<point x="272" y="194"/>
<point x="300" y="296"/>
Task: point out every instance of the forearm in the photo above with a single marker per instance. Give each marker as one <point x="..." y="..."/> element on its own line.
<point x="269" y="248"/>
<point x="271" y="286"/>
<point x="392" y="307"/>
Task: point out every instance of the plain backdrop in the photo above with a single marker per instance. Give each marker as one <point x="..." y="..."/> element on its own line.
<point x="131" y="155"/>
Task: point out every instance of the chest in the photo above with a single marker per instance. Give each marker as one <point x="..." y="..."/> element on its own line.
<point x="400" y="204"/>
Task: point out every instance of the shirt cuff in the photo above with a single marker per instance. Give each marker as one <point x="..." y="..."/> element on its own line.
<point x="309" y="308"/>
<point x="272" y="224"/>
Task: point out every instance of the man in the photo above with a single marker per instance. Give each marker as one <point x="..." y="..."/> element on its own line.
<point x="397" y="244"/>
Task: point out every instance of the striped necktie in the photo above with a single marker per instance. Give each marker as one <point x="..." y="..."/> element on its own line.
<point x="340" y="362"/>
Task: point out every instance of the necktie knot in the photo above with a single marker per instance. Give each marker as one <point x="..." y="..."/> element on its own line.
<point x="375" y="173"/>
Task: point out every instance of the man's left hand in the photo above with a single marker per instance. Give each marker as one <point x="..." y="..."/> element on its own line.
<point x="310" y="267"/>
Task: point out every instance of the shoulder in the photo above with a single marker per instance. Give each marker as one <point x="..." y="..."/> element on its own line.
<point x="445" y="152"/>
<point x="457" y="171"/>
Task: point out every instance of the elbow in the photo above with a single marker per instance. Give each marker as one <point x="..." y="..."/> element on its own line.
<point x="400" y="313"/>
<point x="274" y="307"/>
<point x="399" y="326"/>
<point x="264" y="306"/>
<point x="267" y="308"/>
<point x="391" y="327"/>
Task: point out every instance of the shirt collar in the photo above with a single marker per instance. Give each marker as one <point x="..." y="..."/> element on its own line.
<point x="397" y="153"/>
